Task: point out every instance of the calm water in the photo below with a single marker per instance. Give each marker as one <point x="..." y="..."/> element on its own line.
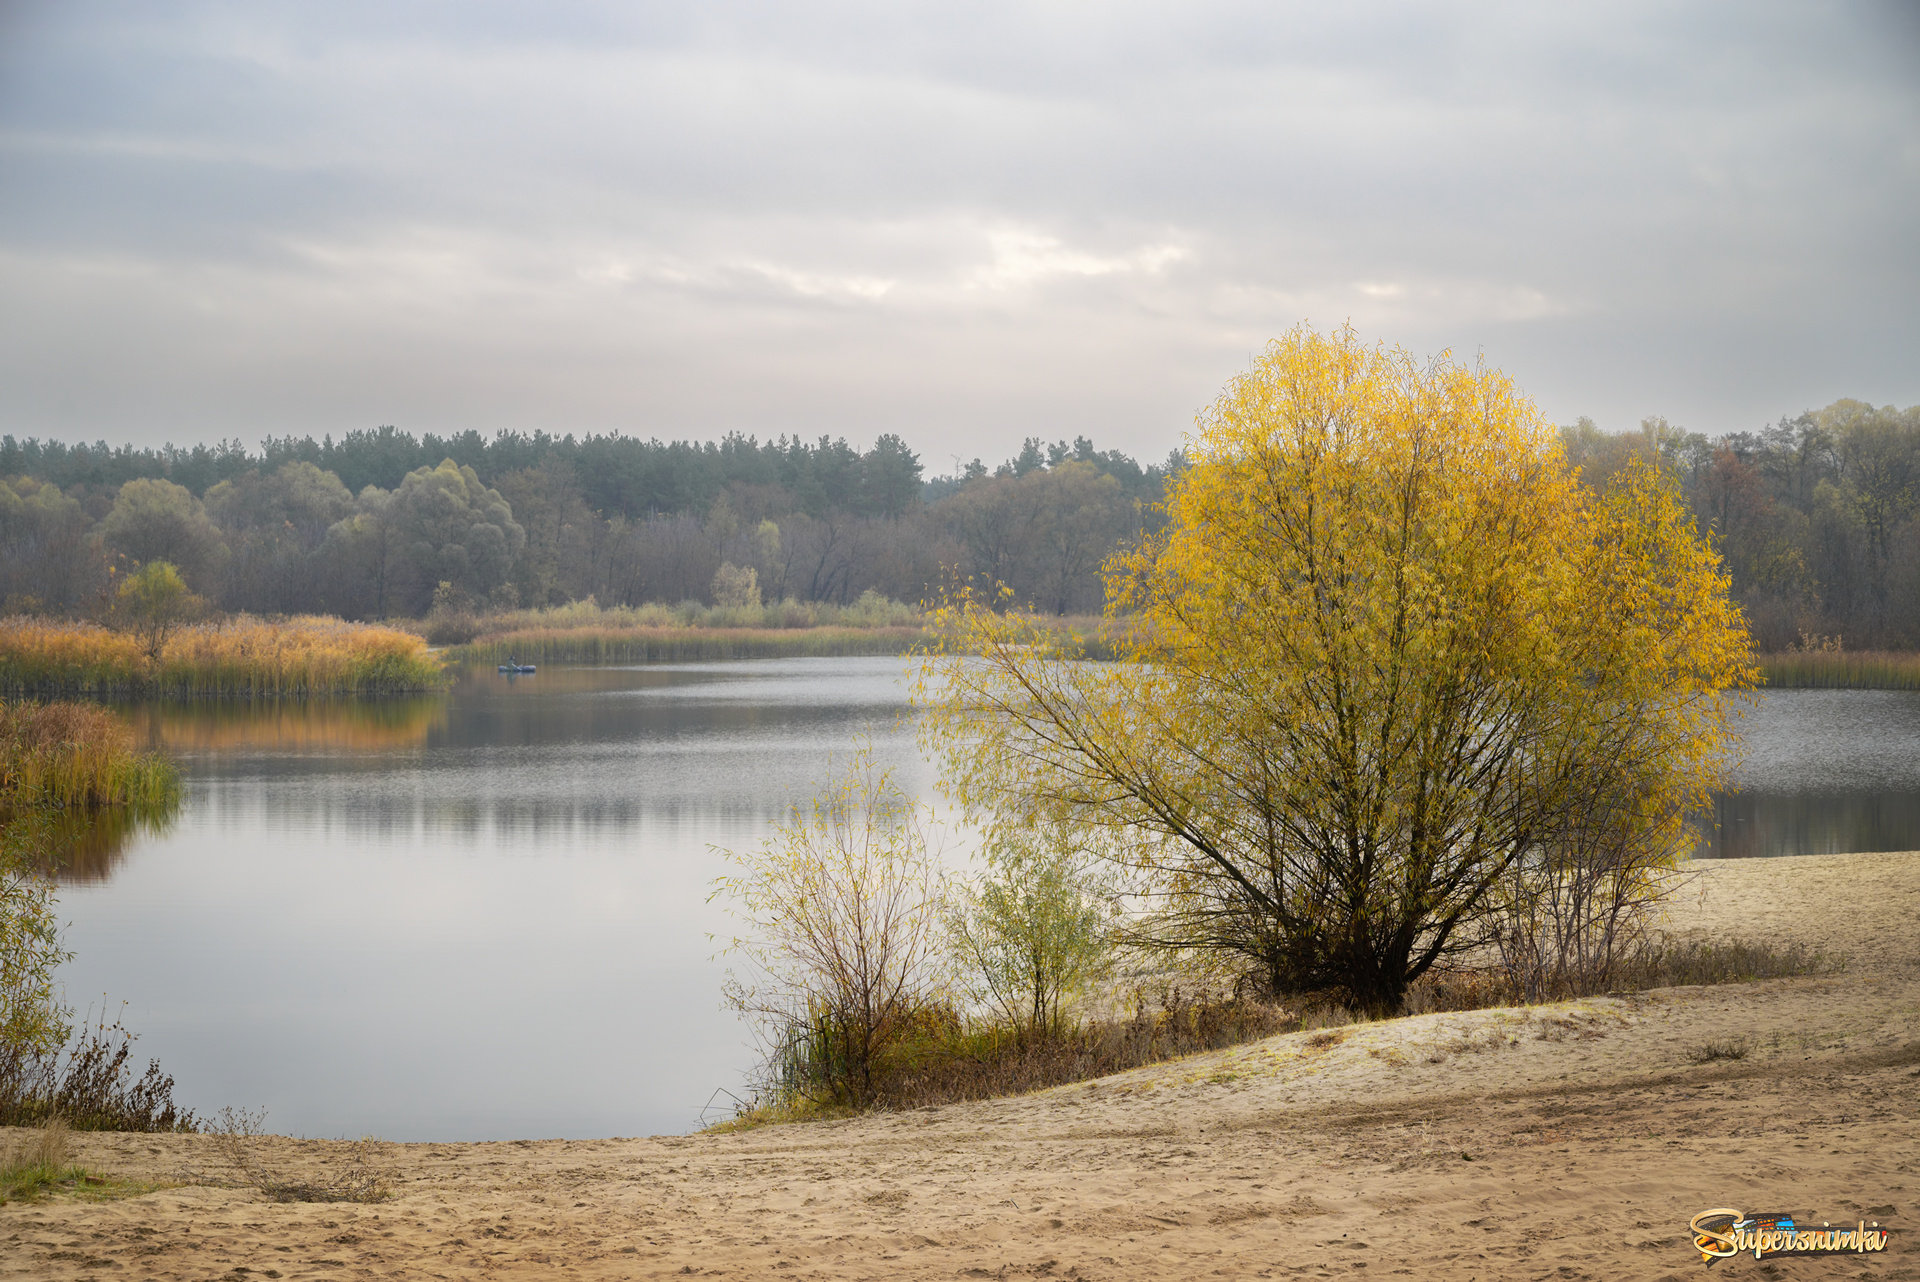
<point x="1826" y="771"/>
<point x="484" y="915"/>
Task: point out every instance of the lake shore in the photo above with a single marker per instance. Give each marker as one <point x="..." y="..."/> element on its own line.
<point x="1572" y="1140"/>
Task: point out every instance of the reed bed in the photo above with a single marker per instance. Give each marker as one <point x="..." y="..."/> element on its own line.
<point x="76" y="756"/>
<point x="584" y="632"/>
<point x="682" y="644"/>
<point x="1841" y="670"/>
<point x="246" y="657"/>
<point x="871" y="611"/>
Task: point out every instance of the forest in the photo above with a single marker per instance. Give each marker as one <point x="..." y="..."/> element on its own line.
<point x="1814" y="515"/>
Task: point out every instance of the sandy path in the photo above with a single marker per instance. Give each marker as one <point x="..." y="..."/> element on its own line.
<point x="1571" y="1141"/>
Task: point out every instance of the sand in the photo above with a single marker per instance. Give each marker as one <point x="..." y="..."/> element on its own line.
<point x="1565" y="1141"/>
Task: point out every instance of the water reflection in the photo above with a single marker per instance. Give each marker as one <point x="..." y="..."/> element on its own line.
<point x="206" y="727"/>
<point x="1825" y="772"/>
<point x="79" y="846"/>
<point x="484" y="914"/>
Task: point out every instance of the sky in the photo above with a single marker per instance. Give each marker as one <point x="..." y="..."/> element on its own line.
<point x="962" y="223"/>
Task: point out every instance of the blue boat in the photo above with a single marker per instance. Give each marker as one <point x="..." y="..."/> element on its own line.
<point x="513" y="665"/>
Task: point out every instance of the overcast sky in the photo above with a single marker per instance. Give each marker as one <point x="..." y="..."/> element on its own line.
<point x="966" y="223"/>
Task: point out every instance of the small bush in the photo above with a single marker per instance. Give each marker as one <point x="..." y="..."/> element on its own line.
<point x="89" y="1085"/>
<point x="840" y="910"/>
<point x="1034" y="931"/>
<point x="240" y="1140"/>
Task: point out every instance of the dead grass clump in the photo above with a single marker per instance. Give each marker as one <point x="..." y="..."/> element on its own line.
<point x="246" y="1159"/>
<point x="980" y="1062"/>
<point x="1726" y="1048"/>
<point x="88" y="1086"/>
<point x="1671" y="963"/>
<point x="1461" y="989"/>
<point x="1653" y="962"/>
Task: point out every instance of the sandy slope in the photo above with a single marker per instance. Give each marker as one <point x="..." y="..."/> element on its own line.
<point x="1571" y="1141"/>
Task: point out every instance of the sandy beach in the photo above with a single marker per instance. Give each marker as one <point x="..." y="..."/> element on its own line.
<point x="1564" y="1141"/>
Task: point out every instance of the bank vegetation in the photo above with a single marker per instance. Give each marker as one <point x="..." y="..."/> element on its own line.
<point x="1405" y="716"/>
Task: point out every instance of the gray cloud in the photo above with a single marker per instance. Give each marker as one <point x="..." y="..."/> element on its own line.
<point x="965" y="224"/>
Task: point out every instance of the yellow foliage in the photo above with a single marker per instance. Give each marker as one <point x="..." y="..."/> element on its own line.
<point x="1382" y="647"/>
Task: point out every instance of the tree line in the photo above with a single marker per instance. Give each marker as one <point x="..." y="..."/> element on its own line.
<point x="384" y="524"/>
<point x="1815" y="517"/>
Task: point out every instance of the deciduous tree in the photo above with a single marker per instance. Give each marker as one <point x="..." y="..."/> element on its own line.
<point x="1380" y="649"/>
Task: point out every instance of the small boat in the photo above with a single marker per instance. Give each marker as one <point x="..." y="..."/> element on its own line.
<point x="514" y="665"/>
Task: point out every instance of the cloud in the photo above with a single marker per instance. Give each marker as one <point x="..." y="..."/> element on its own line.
<point x="962" y="225"/>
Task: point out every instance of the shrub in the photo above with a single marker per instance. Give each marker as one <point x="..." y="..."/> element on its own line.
<point x="1032" y="933"/>
<point x="841" y="914"/>
<point x="89" y="1086"/>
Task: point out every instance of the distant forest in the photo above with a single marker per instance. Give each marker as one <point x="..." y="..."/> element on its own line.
<point x="382" y="524"/>
<point x="1816" y="517"/>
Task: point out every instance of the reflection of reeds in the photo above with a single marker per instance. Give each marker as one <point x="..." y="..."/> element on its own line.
<point x="1842" y="670"/>
<point x="245" y="656"/>
<point x="73" y="787"/>
<point x="308" y="725"/>
<point x="80" y="847"/>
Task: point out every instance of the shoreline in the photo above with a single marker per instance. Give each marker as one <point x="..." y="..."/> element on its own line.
<point x="1568" y="1140"/>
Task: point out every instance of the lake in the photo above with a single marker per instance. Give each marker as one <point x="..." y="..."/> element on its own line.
<point x="484" y="914"/>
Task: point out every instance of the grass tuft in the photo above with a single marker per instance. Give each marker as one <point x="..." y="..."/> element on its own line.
<point x="1726" y="1048"/>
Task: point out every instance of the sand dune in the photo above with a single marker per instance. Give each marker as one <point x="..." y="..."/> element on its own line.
<point x="1565" y="1141"/>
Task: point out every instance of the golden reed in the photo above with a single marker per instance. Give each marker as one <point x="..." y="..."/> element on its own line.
<point x="73" y="756"/>
<point x="310" y="655"/>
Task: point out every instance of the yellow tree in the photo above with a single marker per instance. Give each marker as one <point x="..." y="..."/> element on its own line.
<point x="154" y="601"/>
<point x="1383" y="648"/>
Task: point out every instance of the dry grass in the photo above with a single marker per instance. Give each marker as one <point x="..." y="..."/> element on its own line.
<point x="683" y="644"/>
<point x="309" y="655"/>
<point x="871" y="611"/>
<point x="247" y="1157"/>
<point x="76" y="755"/>
<point x="36" y="1164"/>
<point x="584" y="632"/>
<point x="1841" y="669"/>
<point x="1726" y="1048"/>
<point x="948" y="1059"/>
<point x="89" y="1086"/>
